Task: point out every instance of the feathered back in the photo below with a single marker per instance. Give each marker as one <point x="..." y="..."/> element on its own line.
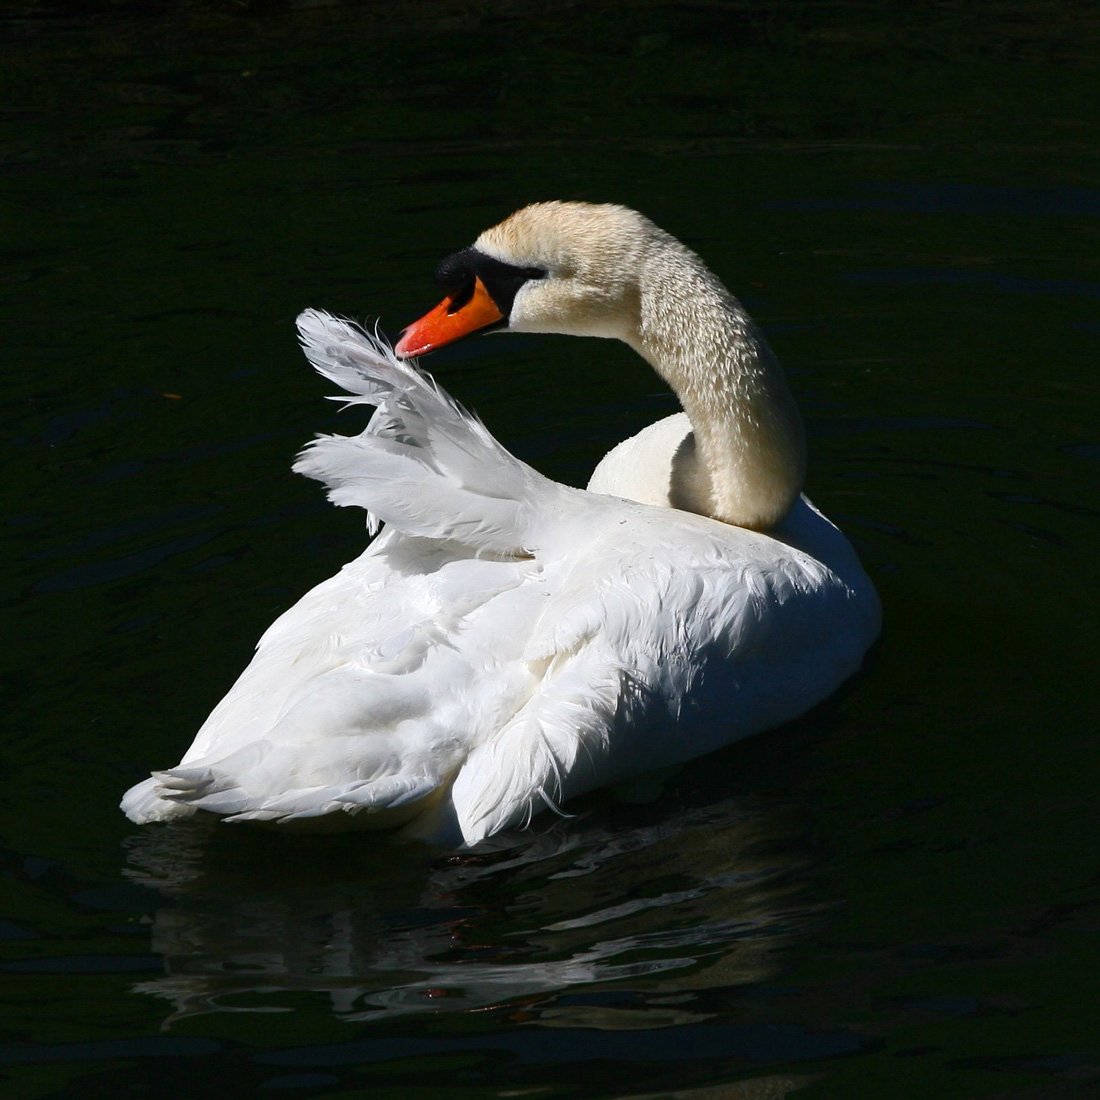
<point x="424" y="464"/>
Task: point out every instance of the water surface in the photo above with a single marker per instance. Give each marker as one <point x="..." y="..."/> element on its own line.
<point x="896" y="896"/>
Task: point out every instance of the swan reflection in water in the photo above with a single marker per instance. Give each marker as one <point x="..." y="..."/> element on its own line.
<point x="701" y="899"/>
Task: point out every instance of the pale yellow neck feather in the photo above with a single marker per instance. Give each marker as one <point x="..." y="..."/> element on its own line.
<point x="747" y="459"/>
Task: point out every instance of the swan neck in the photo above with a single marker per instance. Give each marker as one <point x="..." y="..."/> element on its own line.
<point x="747" y="462"/>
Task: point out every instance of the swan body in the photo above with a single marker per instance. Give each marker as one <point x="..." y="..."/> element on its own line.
<point x="507" y="642"/>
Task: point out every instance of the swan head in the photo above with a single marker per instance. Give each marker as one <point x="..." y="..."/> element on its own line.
<point x="564" y="267"/>
<point x="588" y="270"/>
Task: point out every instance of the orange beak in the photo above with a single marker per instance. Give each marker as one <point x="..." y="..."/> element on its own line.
<point x="449" y="322"/>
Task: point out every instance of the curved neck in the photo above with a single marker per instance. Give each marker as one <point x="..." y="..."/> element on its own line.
<point x="749" y="456"/>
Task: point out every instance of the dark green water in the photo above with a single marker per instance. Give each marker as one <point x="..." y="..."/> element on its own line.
<point x="896" y="897"/>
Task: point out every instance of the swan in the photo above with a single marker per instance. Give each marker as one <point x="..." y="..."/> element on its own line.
<point x="507" y="642"/>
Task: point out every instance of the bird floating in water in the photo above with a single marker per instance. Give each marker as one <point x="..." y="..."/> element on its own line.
<point x="507" y="642"/>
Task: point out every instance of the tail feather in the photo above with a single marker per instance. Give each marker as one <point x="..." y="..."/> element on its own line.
<point x="230" y="789"/>
<point x="143" y="803"/>
<point x="423" y="464"/>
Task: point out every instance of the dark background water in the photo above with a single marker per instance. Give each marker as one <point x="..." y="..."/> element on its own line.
<point x="896" y="896"/>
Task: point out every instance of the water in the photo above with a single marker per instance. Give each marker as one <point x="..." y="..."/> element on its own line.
<point x="896" y="896"/>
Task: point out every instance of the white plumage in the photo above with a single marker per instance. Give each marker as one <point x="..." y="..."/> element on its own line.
<point x="507" y="642"/>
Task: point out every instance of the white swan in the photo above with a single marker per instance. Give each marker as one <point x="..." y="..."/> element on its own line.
<point x="509" y="642"/>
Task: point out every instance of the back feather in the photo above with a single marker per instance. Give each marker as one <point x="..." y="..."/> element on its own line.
<point x="424" y="464"/>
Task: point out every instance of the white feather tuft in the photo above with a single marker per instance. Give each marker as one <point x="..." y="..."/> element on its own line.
<point x="424" y="464"/>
